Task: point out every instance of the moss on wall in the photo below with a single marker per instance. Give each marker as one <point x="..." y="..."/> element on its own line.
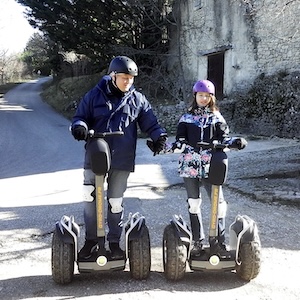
<point x="270" y="107"/>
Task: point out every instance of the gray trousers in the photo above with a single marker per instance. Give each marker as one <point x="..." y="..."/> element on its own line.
<point x="193" y="189"/>
<point x="116" y="186"/>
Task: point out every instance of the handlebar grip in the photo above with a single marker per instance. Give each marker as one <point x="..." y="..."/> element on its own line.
<point x="204" y="144"/>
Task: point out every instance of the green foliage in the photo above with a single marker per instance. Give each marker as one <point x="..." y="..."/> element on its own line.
<point x="273" y="101"/>
<point x="101" y="29"/>
<point x="40" y="54"/>
<point x="97" y="30"/>
<point x="82" y="36"/>
<point x="269" y="97"/>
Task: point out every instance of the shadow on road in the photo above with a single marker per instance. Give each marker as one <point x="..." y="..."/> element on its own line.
<point x="117" y="284"/>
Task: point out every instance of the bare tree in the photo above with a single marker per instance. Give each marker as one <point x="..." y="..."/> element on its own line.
<point x="11" y="67"/>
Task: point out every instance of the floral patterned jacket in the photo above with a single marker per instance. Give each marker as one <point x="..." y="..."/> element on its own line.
<point x="205" y="126"/>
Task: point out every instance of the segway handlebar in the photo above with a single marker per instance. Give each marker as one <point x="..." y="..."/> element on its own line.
<point x="235" y="143"/>
<point x="93" y="134"/>
<point x="212" y="145"/>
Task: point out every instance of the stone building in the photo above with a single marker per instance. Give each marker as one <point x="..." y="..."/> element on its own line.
<point x="232" y="42"/>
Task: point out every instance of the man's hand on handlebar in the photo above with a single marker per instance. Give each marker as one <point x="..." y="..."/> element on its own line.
<point x="79" y="132"/>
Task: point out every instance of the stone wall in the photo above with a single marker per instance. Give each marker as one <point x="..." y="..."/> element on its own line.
<point x="168" y="115"/>
<point x="277" y="34"/>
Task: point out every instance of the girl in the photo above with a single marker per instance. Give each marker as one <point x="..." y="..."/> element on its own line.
<point x="202" y="122"/>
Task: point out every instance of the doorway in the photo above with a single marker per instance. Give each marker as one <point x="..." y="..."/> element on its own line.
<point x="215" y="72"/>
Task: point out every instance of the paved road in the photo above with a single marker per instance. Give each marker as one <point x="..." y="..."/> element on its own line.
<point x="40" y="171"/>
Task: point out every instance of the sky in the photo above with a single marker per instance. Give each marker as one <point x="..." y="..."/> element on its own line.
<point x="15" y="30"/>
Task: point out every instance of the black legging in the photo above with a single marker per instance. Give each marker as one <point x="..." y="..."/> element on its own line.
<point x="192" y="186"/>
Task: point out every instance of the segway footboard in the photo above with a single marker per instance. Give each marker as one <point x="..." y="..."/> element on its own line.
<point x="100" y="262"/>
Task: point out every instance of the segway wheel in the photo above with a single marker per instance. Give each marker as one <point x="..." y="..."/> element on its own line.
<point x="174" y="255"/>
<point x="62" y="260"/>
<point x="140" y="255"/>
<point x="250" y="260"/>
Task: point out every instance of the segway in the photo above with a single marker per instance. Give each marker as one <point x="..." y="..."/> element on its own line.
<point x="244" y="254"/>
<point x="67" y="232"/>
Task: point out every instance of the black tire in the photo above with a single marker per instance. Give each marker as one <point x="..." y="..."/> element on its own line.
<point x="174" y="255"/>
<point x="62" y="260"/>
<point x="250" y="258"/>
<point x="140" y="256"/>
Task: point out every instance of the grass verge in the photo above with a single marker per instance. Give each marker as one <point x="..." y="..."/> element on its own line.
<point x="64" y="95"/>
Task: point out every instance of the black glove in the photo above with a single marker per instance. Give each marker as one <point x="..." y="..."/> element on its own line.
<point x="79" y="132"/>
<point x="159" y="145"/>
<point x="150" y="144"/>
<point x="238" y="143"/>
<point x="179" y="145"/>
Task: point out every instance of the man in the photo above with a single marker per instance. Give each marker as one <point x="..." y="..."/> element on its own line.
<point x="114" y="105"/>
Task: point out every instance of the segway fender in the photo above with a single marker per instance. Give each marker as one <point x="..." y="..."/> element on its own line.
<point x="67" y="229"/>
<point x="134" y="228"/>
<point x="181" y="229"/>
<point x="242" y="230"/>
<point x="137" y="231"/>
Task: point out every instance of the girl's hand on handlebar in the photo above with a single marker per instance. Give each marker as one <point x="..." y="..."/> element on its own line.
<point x="179" y="146"/>
<point x="238" y="143"/>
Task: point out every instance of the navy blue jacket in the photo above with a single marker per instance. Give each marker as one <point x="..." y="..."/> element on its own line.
<point x="103" y="110"/>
